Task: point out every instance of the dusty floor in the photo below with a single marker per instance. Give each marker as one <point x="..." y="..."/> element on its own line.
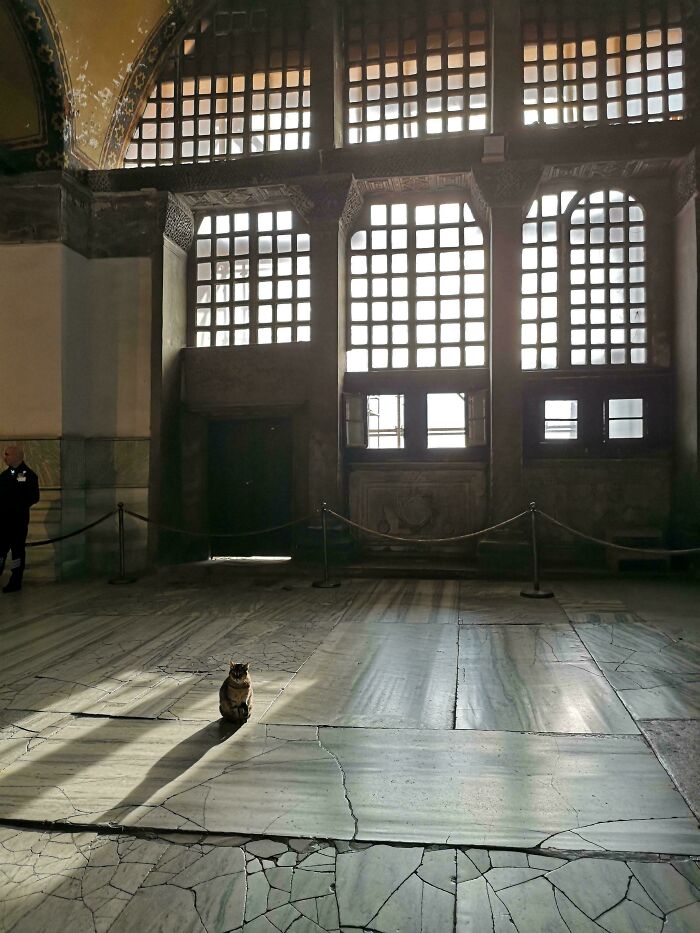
<point x="422" y="756"/>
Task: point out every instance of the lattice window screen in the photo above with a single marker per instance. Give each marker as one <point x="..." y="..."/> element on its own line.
<point x="598" y="62"/>
<point x="415" y="69"/>
<point x="238" y="83"/>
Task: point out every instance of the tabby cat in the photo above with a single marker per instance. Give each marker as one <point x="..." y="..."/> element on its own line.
<point x="236" y="694"/>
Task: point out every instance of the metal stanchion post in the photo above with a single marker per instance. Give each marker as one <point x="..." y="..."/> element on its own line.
<point x="535" y="592"/>
<point x="122" y="578"/>
<point x="326" y="583"/>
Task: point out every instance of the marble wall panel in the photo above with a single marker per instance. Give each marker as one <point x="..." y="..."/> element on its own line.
<point x="416" y="503"/>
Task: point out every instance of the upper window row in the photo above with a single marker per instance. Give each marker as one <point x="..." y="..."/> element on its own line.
<point x="240" y="80"/>
<point x="418" y="274"/>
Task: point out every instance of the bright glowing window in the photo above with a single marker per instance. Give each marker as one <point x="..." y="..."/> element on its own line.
<point x="617" y="62"/>
<point x="560" y="419"/>
<point x="415" y="69"/>
<point x="252" y="275"/>
<point x="417" y="288"/>
<point x="625" y="418"/>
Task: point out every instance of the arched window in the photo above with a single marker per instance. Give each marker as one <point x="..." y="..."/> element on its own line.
<point x="417" y="287"/>
<point x="607" y="280"/>
<point x="415" y="69"/>
<point x="596" y="281"/>
<point x="251" y="280"/>
<point x="238" y="83"/>
<point x="598" y="62"/>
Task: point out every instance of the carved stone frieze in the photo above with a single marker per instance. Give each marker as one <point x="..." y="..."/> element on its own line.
<point x="250" y="197"/>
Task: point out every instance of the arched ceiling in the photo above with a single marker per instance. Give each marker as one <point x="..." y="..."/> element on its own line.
<point x="106" y="53"/>
<point x="21" y="112"/>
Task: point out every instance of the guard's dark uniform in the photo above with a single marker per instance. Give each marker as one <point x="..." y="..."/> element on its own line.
<point x="19" y="490"/>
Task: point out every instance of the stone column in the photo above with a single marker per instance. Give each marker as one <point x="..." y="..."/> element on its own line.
<point x="506" y="189"/>
<point x="686" y="491"/>
<point x="326" y="75"/>
<point x="333" y="201"/>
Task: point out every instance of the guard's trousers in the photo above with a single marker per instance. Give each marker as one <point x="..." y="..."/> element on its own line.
<point x="12" y="539"/>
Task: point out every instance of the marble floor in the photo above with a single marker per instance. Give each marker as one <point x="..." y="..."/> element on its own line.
<point x="422" y="756"/>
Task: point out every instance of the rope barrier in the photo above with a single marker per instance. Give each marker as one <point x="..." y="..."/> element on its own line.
<point x="667" y="552"/>
<point x="214" y="534"/>
<point x="71" y="534"/>
<point x="464" y="537"/>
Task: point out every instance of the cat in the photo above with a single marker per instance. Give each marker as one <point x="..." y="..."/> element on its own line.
<point x="236" y="694"/>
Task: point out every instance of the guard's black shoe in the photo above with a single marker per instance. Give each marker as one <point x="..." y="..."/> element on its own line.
<point x="12" y="587"/>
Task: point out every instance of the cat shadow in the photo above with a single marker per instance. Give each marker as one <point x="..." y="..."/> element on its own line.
<point x="176" y="762"/>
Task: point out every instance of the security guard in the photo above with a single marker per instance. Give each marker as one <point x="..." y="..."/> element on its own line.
<point x="19" y="490"/>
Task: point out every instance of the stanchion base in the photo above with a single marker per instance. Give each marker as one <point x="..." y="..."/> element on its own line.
<point x="120" y="580"/>
<point x="326" y="584"/>
<point x="537" y="594"/>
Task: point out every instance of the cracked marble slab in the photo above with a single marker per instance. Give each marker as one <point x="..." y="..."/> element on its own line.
<point x="369" y="674"/>
<point x="536" y="678"/>
<point x="469" y="787"/>
<point x="656" y="675"/>
<point x="463" y="787"/>
<point x="508" y="610"/>
<point x="413" y="601"/>
<point x="92" y="883"/>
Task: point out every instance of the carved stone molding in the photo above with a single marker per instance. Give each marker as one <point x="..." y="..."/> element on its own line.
<point x="685" y="181"/>
<point x="251" y="197"/>
<point x="630" y="168"/>
<point x="178" y="222"/>
<point x="507" y="184"/>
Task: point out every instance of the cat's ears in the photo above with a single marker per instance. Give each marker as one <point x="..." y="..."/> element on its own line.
<point x="232" y="663"/>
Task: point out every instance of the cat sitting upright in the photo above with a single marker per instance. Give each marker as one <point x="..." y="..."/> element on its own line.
<point x="236" y="694"/>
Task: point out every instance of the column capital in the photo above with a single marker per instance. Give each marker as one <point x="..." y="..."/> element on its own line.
<point x="176" y="221"/>
<point x="333" y="201"/>
<point x="508" y="184"/>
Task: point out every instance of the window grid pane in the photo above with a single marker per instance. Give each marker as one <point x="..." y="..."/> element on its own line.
<point x="415" y="69"/>
<point x="539" y="307"/>
<point x="252" y="279"/>
<point x="385" y="422"/>
<point x="239" y="83"/>
<point x="417" y="288"/>
<point x="605" y="63"/>
<point x="625" y="418"/>
<point x="561" y="420"/>
<point x="607" y="281"/>
<point x="447" y="420"/>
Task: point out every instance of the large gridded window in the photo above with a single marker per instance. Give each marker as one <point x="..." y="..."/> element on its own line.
<point x="252" y="279"/>
<point x="603" y="320"/>
<point x="238" y="83"/>
<point x="539" y="307"/>
<point x="417" y="288"/>
<point x="415" y="69"/>
<point x="616" y="62"/>
<point x="607" y="278"/>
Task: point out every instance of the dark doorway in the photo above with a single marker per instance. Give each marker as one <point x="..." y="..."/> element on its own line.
<point x="250" y="484"/>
